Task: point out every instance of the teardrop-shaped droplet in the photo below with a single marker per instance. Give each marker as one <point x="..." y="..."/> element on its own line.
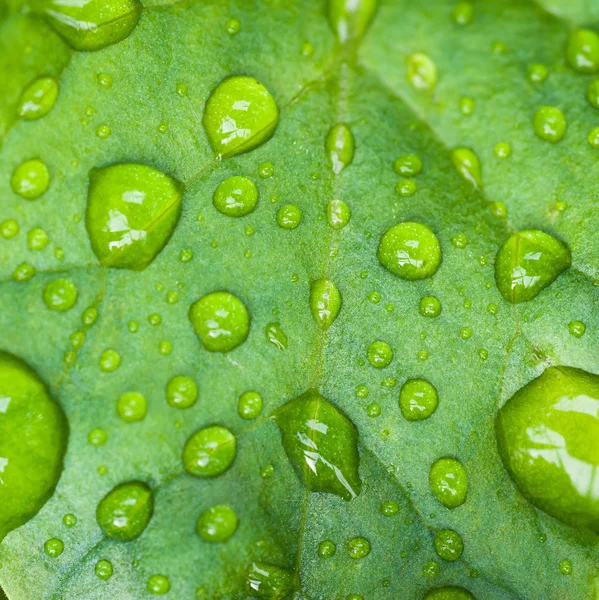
<point x="132" y="211"/>
<point x="325" y="302"/>
<point x="90" y="25"/>
<point x="448" y="593"/>
<point x="322" y="445"/>
<point x="582" y="51"/>
<point x="351" y="18"/>
<point x="269" y="581"/>
<point x="240" y="115"/>
<point x="220" y="320"/>
<point x="467" y="165"/>
<point x="421" y="71"/>
<point x="338" y="214"/>
<point x="410" y="251"/>
<point x="527" y="263"/>
<point x="276" y="336"/>
<point x="449" y="482"/>
<point x="340" y="147"/>
<point x="125" y="511"/>
<point x="38" y="98"/>
<point x="33" y="439"/>
<point x="548" y="437"/>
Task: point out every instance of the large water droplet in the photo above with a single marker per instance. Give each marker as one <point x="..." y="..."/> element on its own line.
<point x="340" y="146"/>
<point x="321" y="444"/>
<point x="467" y="165"/>
<point x="33" y="438"/>
<point x="410" y="251"/>
<point x="125" y="511"/>
<point x="527" y="263"/>
<point x="132" y="211"/>
<point x="90" y="25"/>
<point x="548" y="437"/>
<point x="38" y="98"/>
<point x="269" y="581"/>
<point x="220" y="320"/>
<point x="449" y="482"/>
<point x="209" y="451"/>
<point x="582" y="51"/>
<point x="325" y="302"/>
<point x="240" y="115"/>
<point x="236" y="196"/>
<point x="351" y="18"/>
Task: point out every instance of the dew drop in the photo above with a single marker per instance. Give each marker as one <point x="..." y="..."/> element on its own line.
<point x="60" y="294"/>
<point x="408" y="165"/>
<point x="181" y="392"/>
<point x="326" y="549"/>
<point x="502" y="150"/>
<point x="276" y="336"/>
<point x="132" y="407"/>
<point x="30" y="179"/>
<point x="431" y="569"/>
<point x="235" y="197"/>
<point x="269" y="581"/>
<point x="582" y="51"/>
<point x="37" y="239"/>
<point x="389" y="508"/>
<point x="549" y="124"/>
<point x="418" y="399"/>
<point x="379" y="354"/>
<point x="289" y="216"/>
<point x="325" y="302"/>
<point x="249" y="405"/>
<point x="97" y="437"/>
<point x="9" y="228"/>
<point x="217" y="523"/>
<point x="449" y="482"/>
<point x="593" y="93"/>
<point x="537" y="73"/>
<point x="463" y="13"/>
<point x="565" y="567"/>
<point x="340" y="146"/>
<point x="449" y="544"/>
<point x="159" y="585"/>
<point x="421" y="71"/>
<point x="209" y="451"/>
<point x="358" y="547"/>
<point x="467" y="165"/>
<point x="110" y="360"/>
<point x="233" y="26"/>
<point x="54" y="547"/>
<point x="38" y="98"/>
<point x="350" y="19"/>
<point x="430" y="307"/>
<point x="577" y="328"/>
<point x="448" y="593"/>
<point x="338" y="214"/>
<point x="69" y="520"/>
<point x="103" y="569"/>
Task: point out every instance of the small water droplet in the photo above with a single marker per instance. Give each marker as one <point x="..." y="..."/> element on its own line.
<point x="421" y="71"/>
<point x="338" y="214"/>
<point x="30" y="179"/>
<point x="430" y="307"/>
<point x="69" y="520"/>
<point x="406" y="188"/>
<point x="565" y="567"/>
<point x="449" y="544"/>
<point x="463" y="13"/>
<point x="431" y="569"/>
<point x="181" y="392"/>
<point x="325" y="302"/>
<point x="236" y="196"/>
<point x="132" y="407"/>
<point x="217" y="523"/>
<point x="103" y="569"/>
<point x="537" y="73"/>
<point x="379" y="354"/>
<point x="340" y="146"/>
<point x="54" y="547"/>
<point x="289" y="216"/>
<point x="449" y="482"/>
<point x="159" y="585"/>
<point x="408" y="165"/>
<point x="418" y="399"/>
<point x="60" y="294"/>
<point x="97" y="437"/>
<point x="467" y="164"/>
<point x="9" y="228"/>
<point x="350" y="19"/>
<point x="249" y="405"/>
<point x="549" y="124"/>
<point x="582" y="51"/>
<point x="577" y="328"/>
<point x="326" y="549"/>
<point x="37" y="239"/>
<point x="502" y="150"/>
<point x="233" y="26"/>
<point x="358" y="547"/>
<point x="209" y="451"/>
<point x="110" y="360"/>
<point x="38" y="98"/>
<point x="276" y="336"/>
<point x="104" y="80"/>
<point x="268" y="581"/>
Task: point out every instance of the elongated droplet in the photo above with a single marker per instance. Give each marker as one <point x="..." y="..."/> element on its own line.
<point x="240" y="115"/>
<point x="38" y="98"/>
<point x="448" y="593"/>
<point x="325" y="302"/>
<point x="351" y="18"/>
<point x="132" y="211"/>
<point x="467" y="165"/>
<point x="91" y="25"/>
<point x="548" y="437"/>
<point x="527" y="263"/>
<point x="582" y="51"/>
<point x="340" y="147"/>
<point x="421" y="71"/>
<point x="321" y="444"/>
<point x="269" y="581"/>
<point x="33" y="439"/>
<point x="338" y="214"/>
<point x="449" y="482"/>
<point x="276" y="336"/>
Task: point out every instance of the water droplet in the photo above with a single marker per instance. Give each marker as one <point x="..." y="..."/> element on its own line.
<point x="548" y="434"/>
<point x="289" y="216"/>
<point x="24" y="272"/>
<point x="220" y="320"/>
<point x="9" y="228"/>
<point x="94" y="24"/>
<point x="133" y="326"/>
<point x="406" y="188"/>
<point x="269" y="581"/>
<point x="103" y="569"/>
<point x="449" y="482"/>
<point x="549" y="124"/>
<point x="30" y="179"/>
<point x="431" y="569"/>
<point x="77" y="339"/>
<point x="527" y="263"/>
<point x="577" y="328"/>
<point x="217" y="523"/>
<point x="185" y="255"/>
<point x="582" y="51"/>
<point x="181" y="90"/>
<point x="379" y="354"/>
<point x="430" y="307"/>
<point x="158" y="585"/>
<point x="97" y="437"/>
<point x="421" y="71"/>
<point x="132" y="407"/>
<point x="181" y="392"/>
<point x="326" y="549"/>
<point x="267" y="472"/>
<point x="37" y="239"/>
<point x="350" y="19"/>
<point x="449" y="544"/>
<point x="125" y="511"/>
<point x="240" y="115"/>
<point x="209" y="451"/>
<point x="89" y="316"/>
<point x="69" y="520"/>
<point x="38" y="98"/>
<point x="60" y="294"/>
<point x="103" y="132"/>
<point x="463" y="13"/>
<point x="276" y="336"/>
<point x="410" y="251"/>
<point x="389" y="508"/>
<point x="110" y="360"/>
<point x="340" y="146"/>
<point x="448" y="593"/>
<point x="338" y="214"/>
<point x="502" y="150"/>
<point x="358" y="547"/>
<point x="418" y="399"/>
<point x="325" y="302"/>
<point x="104" y="80"/>
<point x="593" y="93"/>
<point x="593" y="137"/>
<point x="537" y="73"/>
<point x="132" y="211"/>
<point x="565" y="567"/>
<point x="408" y="165"/>
<point x="467" y="165"/>
<point x="249" y="405"/>
<point x="54" y="547"/>
<point x="467" y="106"/>
<point x="236" y="196"/>
<point x="233" y="26"/>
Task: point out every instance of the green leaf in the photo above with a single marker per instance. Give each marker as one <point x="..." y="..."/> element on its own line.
<point x="367" y="117"/>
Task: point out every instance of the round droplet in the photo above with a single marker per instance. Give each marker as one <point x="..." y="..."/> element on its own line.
<point x="379" y="354"/>
<point x="103" y="569"/>
<point x="97" y="437"/>
<point x="37" y="239"/>
<point x="125" y="511"/>
<point x="9" y="228"/>
<point x="326" y="549"/>
<point x="502" y="150"/>
<point x="60" y="294"/>
<point x="240" y="115"/>
<point x="448" y="593"/>
<point x="325" y="302"/>
<point x="30" y="179"/>
<point x="565" y="567"/>
<point x="408" y="165"/>
<point x="132" y="407"/>
<point x="132" y="211"/>
<point x="410" y="251"/>
<point x="537" y="73"/>
<point x="236" y="196"/>
<point x="110" y="360"/>
<point x="268" y="581"/>
<point x="217" y="523"/>
<point x="418" y="399"/>
<point x="209" y="451"/>
<point x="358" y="547"/>
<point x="549" y="124"/>
<point x="338" y="214"/>
<point x="449" y="544"/>
<point x="527" y="263"/>
<point x="463" y="13"/>
<point x="24" y="272"/>
<point x="181" y="392"/>
<point x="430" y="307"/>
<point x="548" y="438"/>
<point x="54" y="547"/>
<point x="389" y="508"/>
<point x="431" y="569"/>
<point x="449" y="482"/>
<point x="406" y="188"/>
<point x="421" y="71"/>
<point x="582" y="51"/>
<point x="38" y="98"/>
<point x="159" y="584"/>
<point x="94" y="24"/>
<point x="339" y="146"/>
<point x="577" y="328"/>
<point x="289" y="216"/>
<point x="249" y="405"/>
<point x="467" y="164"/>
<point x="220" y="320"/>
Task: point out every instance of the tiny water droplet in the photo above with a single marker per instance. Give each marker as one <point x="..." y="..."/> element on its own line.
<point x="181" y="392"/>
<point x="338" y="214"/>
<point x="577" y="328"/>
<point x="565" y="567"/>
<point x="132" y="407"/>
<point x="268" y="581"/>
<point x="54" y="547"/>
<point x="431" y="569"/>
<point x="30" y="179"/>
<point x="69" y="520"/>
<point x="37" y="239"/>
<point x="358" y="547"/>
<point x="233" y="26"/>
<point x="326" y="549"/>
<point x="389" y="508"/>
<point x="463" y="13"/>
<point x="159" y="585"/>
<point x="537" y="73"/>
<point x="449" y="482"/>
<point x="249" y="405"/>
<point x="502" y="150"/>
<point x="350" y="19"/>
<point x="406" y="188"/>
<point x="110" y="360"/>
<point x="379" y="354"/>
<point x="430" y="307"/>
<point x="408" y="165"/>
<point x="9" y="228"/>
<point x="209" y="451"/>
<point x="97" y="437"/>
<point x="340" y="146"/>
<point x="103" y="569"/>
<point x="289" y="216"/>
